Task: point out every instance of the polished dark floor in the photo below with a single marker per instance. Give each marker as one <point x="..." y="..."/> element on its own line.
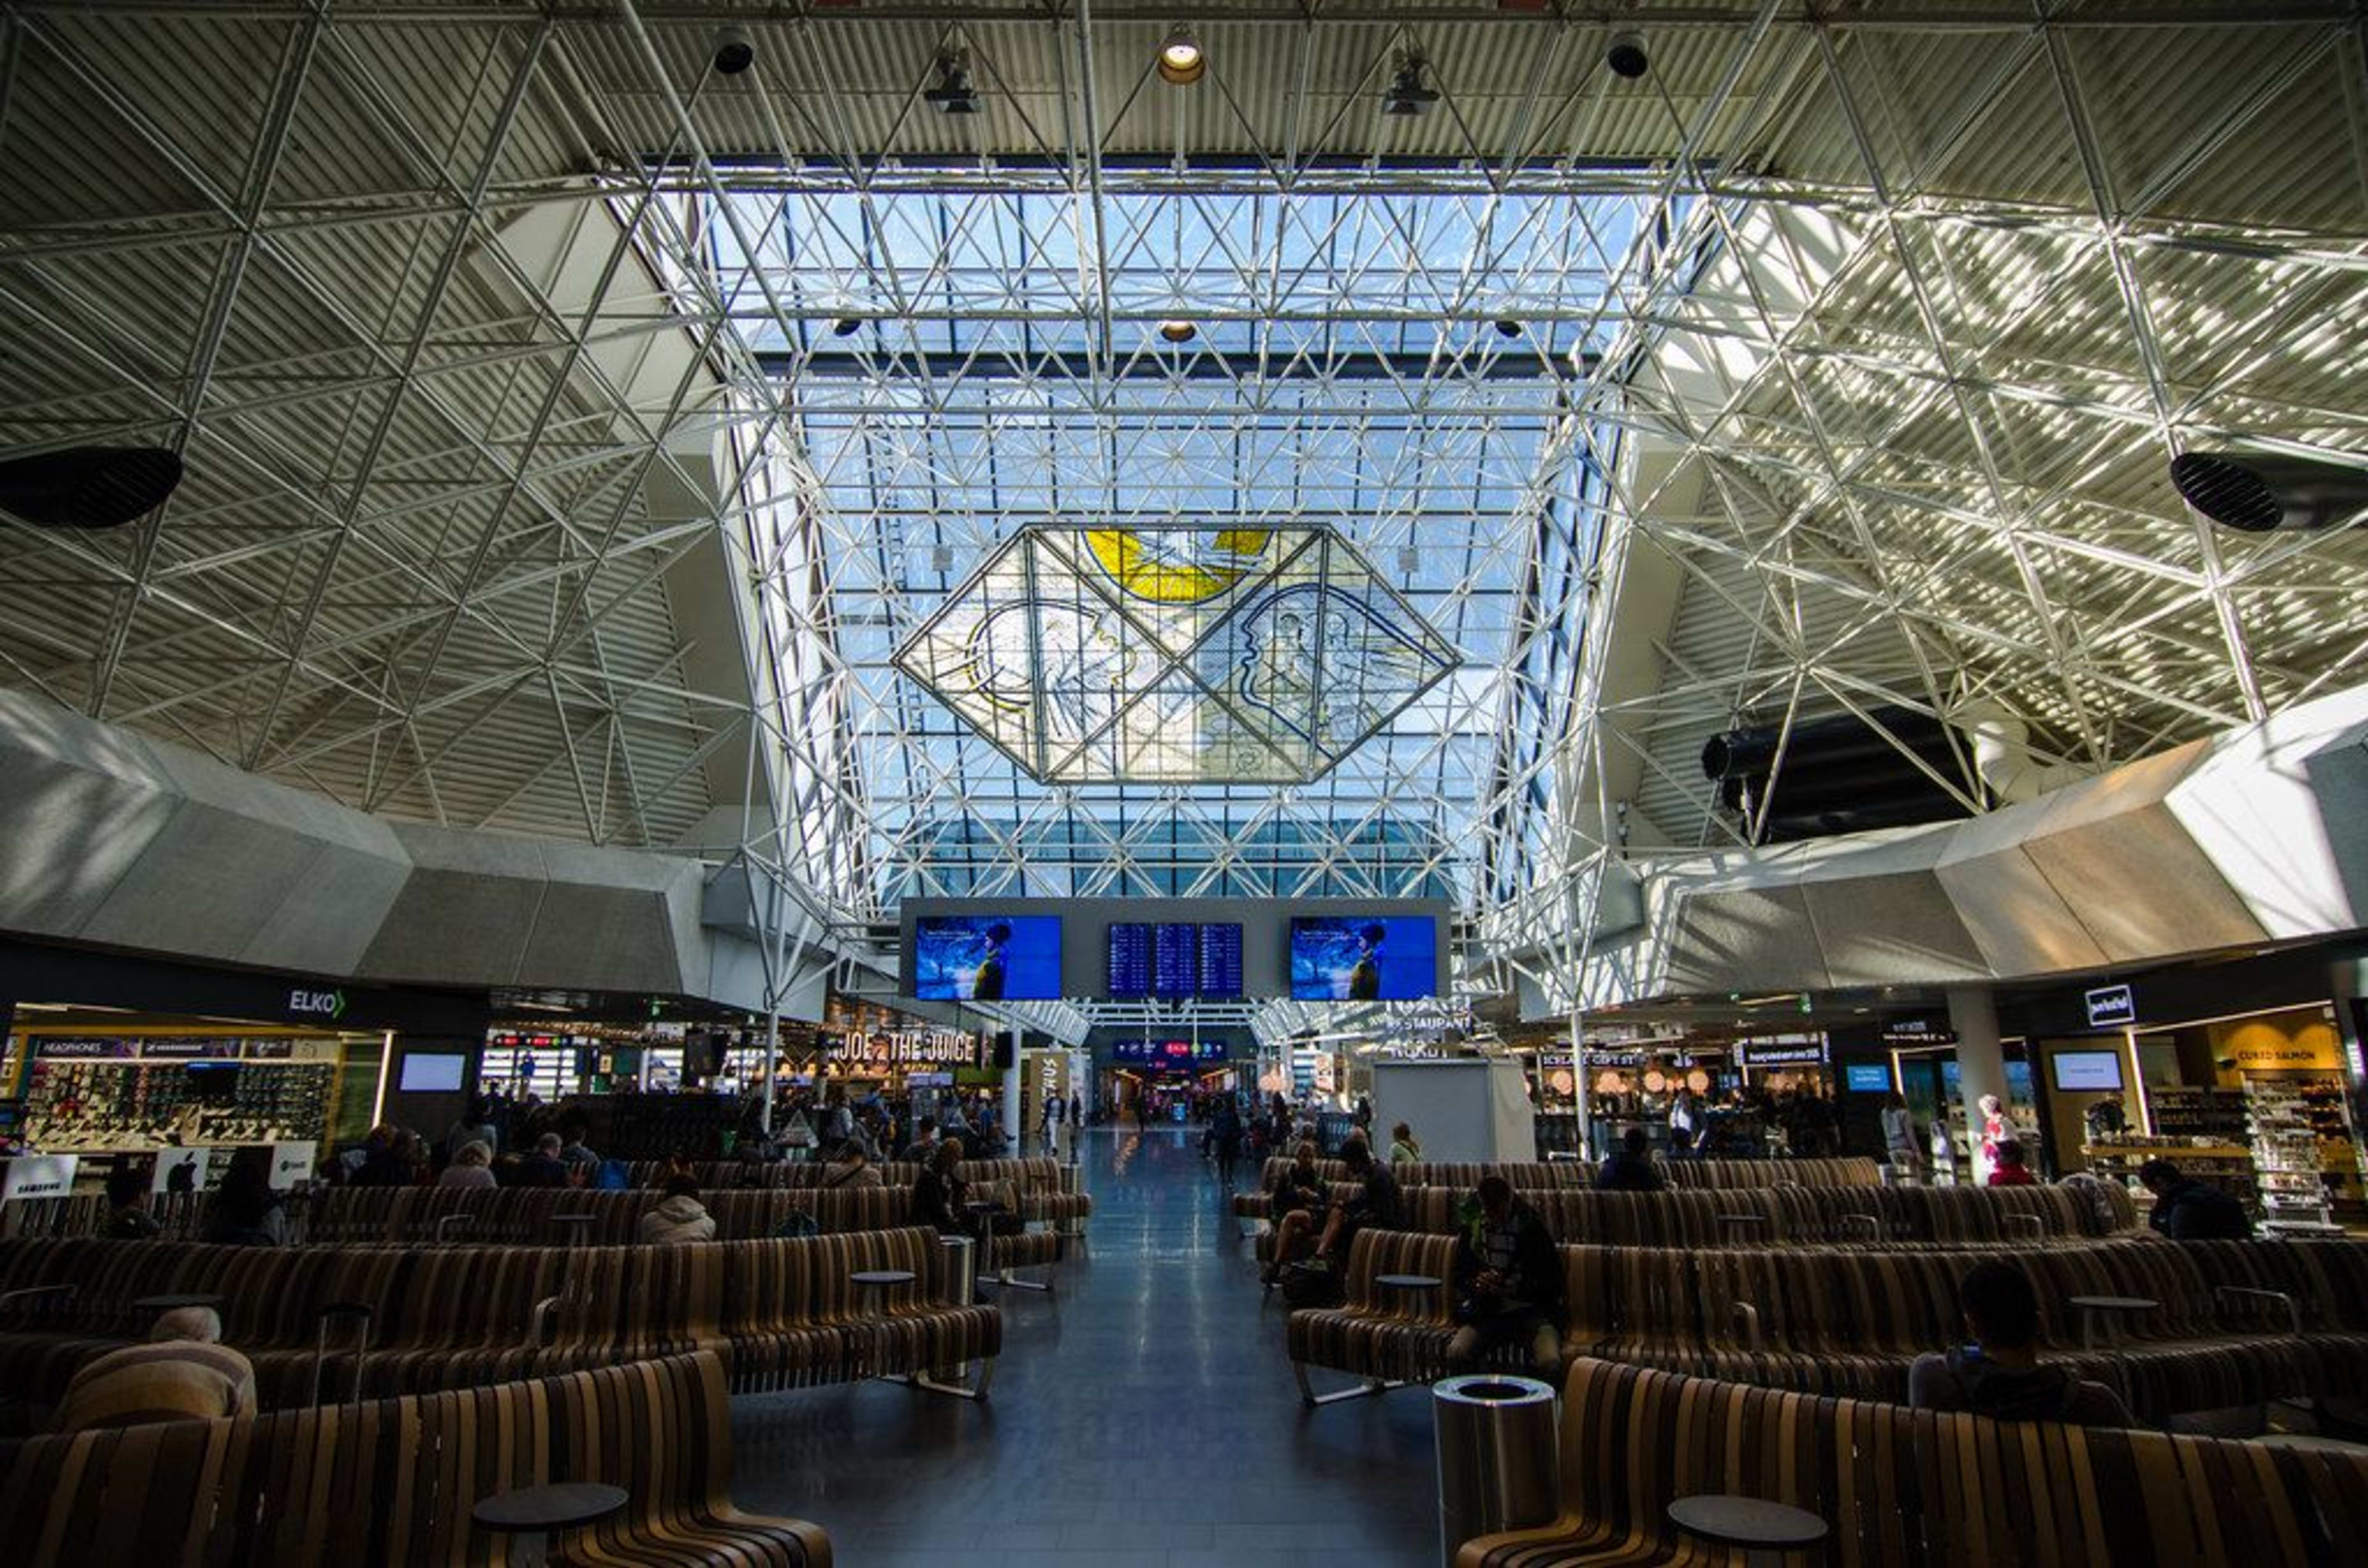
<point x="1144" y="1416"/>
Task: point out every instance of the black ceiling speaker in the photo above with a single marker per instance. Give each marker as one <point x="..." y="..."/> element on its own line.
<point x="88" y="487"/>
<point x="2257" y="492"/>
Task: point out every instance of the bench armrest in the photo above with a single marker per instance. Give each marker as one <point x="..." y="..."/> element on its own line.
<point x="542" y="1321"/>
<point x="2237" y="1293"/>
<point x="61" y="1294"/>
<point x="1748" y="1316"/>
<point x="445" y="1224"/>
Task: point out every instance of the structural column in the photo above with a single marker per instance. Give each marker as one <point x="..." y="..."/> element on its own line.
<point x="1981" y="1063"/>
<point x="1013" y="1094"/>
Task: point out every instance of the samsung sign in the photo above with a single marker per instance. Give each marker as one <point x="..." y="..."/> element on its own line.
<point x="2111" y="1005"/>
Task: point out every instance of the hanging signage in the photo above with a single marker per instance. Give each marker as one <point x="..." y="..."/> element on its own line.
<point x="186" y="1050"/>
<point x="1169" y="1052"/>
<point x="83" y="1050"/>
<point x="309" y="1003"/>
<point x="1917" y="1031"/>
<point x="1788" y="1055"/>
<point x="2110" y="1006"/>
<point x="906" y="1048"/>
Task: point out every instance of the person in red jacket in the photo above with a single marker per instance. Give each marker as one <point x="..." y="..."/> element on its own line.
<point x="2009" y="1170"/>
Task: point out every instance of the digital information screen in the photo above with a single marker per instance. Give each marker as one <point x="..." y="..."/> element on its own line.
<point x="1364" y="958"/>
<point x="1129" y="977"/>
<point x="1867" y="1077"/>
<point x="986" y="957"/>
<point x="1175" y="961"/>
<point x="1221" y="961"/>
<point x="2083" y="1072"/>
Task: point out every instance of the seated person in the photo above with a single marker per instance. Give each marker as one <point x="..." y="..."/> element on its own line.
<point x="1298" y="1196"/>
<point x="940" y="1192"/>
<point x="183" y="1373"/>
<point x="1999" y="1374"/>
<point x="246" y="1211"/>
<point x="851" y="1167"/>
<point x="1508" y="1284"/>
<point x="572" y="1148"/>
<point x="473" y="1165"/>
<point x="1376" y="1203"/>
<point x="2186" y="1209"/>
<point x="680" y="1218"/>
<point x="1629" y="1168"/>
<point x="2011" y="1171"/>
<point x="543" y="1167"/>
<point x="128" y="1219"/>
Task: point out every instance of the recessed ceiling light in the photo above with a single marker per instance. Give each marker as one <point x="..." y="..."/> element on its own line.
<point x="1181" y="63"/>
<point x="1179" y="331"/>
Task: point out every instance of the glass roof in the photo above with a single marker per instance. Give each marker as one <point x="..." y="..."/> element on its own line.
<point x="1376" y="384"/>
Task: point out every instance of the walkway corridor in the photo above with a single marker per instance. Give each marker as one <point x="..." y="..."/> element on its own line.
<point x="1143" y="1417"/>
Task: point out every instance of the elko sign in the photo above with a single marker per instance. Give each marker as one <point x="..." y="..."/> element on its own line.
<point x="305" y="1004"/>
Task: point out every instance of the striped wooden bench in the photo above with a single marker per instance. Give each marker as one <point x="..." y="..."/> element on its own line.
<point x="783" y="1313"/>
<point x="1043" y="1189"/>
<point x="1888" y="1218"/>
<point x="391" y="1482"/>
<point x="1906" y="1488"/>
<point x="1850" y="1321"/>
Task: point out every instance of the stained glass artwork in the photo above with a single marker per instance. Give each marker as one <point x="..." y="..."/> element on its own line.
<point x="1183" y="653"/>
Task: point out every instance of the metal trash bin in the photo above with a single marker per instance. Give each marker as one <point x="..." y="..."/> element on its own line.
<point x="1496" y="1464"/>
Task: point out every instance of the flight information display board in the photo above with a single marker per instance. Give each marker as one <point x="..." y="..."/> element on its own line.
<point x="1175" y="961"/>
<point x="1221" y="961"/>
<point x="1130" y="962"/>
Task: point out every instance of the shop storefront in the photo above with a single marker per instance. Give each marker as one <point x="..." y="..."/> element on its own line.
<point x="2257" y="1099"/>
<point x="119" y="1061"/>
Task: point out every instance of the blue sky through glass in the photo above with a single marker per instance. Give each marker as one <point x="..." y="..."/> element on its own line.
<point x="953" y="378"/>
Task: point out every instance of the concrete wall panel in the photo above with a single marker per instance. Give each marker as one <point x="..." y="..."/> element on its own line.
<point x="1765" y="932"/>
<point x="1890" y="930"/>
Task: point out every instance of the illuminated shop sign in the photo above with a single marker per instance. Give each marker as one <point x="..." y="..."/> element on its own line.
<point x="2109" y="1006"/>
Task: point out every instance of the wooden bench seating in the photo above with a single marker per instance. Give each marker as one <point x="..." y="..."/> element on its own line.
<point x="391" y="1482"/>
<point x="1850" y="1321"/>
<point x="1904" y="1488"/>
<point x="1043" y="1187"/>
<point x="1886" y="1217"/>
<point x="783" y="1313"/>
<point x="1531" y="1178"/>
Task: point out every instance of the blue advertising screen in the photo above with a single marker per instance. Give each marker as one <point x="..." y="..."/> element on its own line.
<point x="986" y="957"/>
<point x="1364" y="958"/>
<point x="1867" y="1077"/>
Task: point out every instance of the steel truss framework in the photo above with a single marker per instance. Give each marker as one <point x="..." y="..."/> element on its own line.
<point x="498" y="339"/>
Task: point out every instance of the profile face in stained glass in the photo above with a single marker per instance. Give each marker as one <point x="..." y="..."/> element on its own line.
<point x="1183" y="653"/>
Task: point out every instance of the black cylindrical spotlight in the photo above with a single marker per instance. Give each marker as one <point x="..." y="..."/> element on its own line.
<point x="2259" y="493"/>
<point x="1626" y="56"/>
